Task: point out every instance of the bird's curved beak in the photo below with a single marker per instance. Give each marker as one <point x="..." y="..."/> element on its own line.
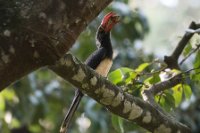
<point x="109" y="21"/>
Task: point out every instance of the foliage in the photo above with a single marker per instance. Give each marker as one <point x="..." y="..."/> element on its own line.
<point x="38" y="102"/>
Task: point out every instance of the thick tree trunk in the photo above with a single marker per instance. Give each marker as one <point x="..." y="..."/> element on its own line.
<point x="36" y="33"/>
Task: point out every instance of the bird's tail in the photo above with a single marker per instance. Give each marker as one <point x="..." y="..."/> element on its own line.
<point x="71" y="111"/>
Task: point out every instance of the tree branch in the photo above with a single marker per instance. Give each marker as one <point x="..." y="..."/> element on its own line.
<point x="172" y="63"/>
<point x="172" y="60"/>
<point x="114" y="99"/>
<point x="148" y="95"/>
<point x="38" y="33"/>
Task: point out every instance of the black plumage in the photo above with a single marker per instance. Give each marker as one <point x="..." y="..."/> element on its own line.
<point x="104" y="50"/>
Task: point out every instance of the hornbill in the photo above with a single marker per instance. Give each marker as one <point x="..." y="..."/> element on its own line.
<point x="100" y="60"/>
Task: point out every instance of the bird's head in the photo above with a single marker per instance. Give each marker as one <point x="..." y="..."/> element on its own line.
<point x="109" y="21"/>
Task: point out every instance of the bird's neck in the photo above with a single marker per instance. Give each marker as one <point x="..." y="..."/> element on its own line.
<point x="103" y="40"/>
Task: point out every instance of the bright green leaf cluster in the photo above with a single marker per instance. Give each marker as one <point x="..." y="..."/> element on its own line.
<point x="166" y="100"/>
<point x="132" y="79"/>
<point x="128" y="78"/>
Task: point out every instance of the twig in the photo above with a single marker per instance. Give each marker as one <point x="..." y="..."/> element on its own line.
<point x="193" y="51"/>
<point x="148" y="95"/>
<point x="193" y="31"/>
<point x="152" y="73"/>
<point x="192" y="69"/>
<point x="172" y="60"/>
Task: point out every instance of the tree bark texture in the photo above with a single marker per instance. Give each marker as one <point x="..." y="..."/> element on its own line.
<point x="36" y="33"/>
<point x="114" y="99"/>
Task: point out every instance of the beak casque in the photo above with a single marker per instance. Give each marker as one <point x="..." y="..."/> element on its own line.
<point x="109" y="21"/>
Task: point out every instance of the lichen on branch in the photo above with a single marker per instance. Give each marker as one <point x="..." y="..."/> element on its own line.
<point x="114" y="99"/>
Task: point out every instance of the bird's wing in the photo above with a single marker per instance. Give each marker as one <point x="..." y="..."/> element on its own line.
<point x="96" y="57"/>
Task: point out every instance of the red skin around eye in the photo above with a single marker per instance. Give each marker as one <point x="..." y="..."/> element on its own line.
<point x="108" y="21"/>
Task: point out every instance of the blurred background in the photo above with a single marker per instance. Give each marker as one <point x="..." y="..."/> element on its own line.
<point x="149" y="29"/>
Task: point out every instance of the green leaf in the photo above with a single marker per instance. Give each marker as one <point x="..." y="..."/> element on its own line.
<point x="128" y="74"/>
<point x="125" y="70"/>
<point x="115" y="76"/>
<point x="166" y="100"/>
<point x="170" y="101"/>
<point x="154" y="79"/>
<point x="187" y="91"/>
<point x="187" y="49"/>
<point x="117" y="123"/>
<point x="8" y="94"/>
<point x="141" y="67"/>
<point x="15" y="123"/>
<point x="195" y="77"/>
<point x="121" y="74"/>
<point x="177" y="94"/>
<point x="175" y="71"/>
<point x="2" y="104"/>
<point x="196" y="64"/>
<point x="197" y="61"/>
